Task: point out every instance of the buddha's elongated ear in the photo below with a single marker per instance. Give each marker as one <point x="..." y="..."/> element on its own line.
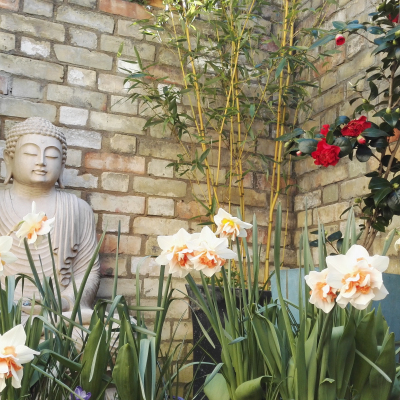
<point x="9" y="161"/>
<point x="61" y="178"/>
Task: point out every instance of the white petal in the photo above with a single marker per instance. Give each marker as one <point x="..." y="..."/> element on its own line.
<point x="16" y="378"/>
<point x="14" y="337"/>
<point x="5" y="243"/>
<point x="356" y="251"/>
<point x="340" y="263"/>
<point x="381" y="263"/>
<point x="8" y="257"/>
<point x="380" y="293"/>
<point x="165" y="242"/>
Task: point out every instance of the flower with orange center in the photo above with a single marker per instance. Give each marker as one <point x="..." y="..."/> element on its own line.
<point x="14" y="353"/>
<point x="175" y="253"/>
<point x="322" y="295"/>
<point x="210" y="253"/>
<point x="229" y="226"/>
<point x="358" y="277"/>
<point x="35" y="226"/>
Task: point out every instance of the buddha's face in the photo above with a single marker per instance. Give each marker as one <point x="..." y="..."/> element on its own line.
<point x="37" y="160"/>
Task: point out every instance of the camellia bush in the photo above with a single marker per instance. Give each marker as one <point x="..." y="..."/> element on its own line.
<point x="355" y="136"/>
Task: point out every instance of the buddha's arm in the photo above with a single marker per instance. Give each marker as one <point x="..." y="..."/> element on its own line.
<point x="80" y="263"/>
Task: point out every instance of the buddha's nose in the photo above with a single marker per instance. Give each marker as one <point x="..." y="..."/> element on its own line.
<point x="41" y="160"/>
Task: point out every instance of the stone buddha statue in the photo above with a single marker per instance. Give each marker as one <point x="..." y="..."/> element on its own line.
<point x="35" y="156"/>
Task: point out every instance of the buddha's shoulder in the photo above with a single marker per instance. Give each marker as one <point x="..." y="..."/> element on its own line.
<point x="72" y="198"/>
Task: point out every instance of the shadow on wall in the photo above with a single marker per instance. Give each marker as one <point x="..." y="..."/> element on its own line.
<point x="390" y="310"/>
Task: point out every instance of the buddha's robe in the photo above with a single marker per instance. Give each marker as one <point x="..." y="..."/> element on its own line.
<point x="73" y="240"/>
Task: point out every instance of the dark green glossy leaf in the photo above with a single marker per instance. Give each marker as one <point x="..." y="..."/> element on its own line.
<point x="391" y="118"/>
<point x="291" y="135"/>
<point x="363" y="153"/>
<point x="375" y="30"/>
<point x="381" y="194"/>
<point x="335" y="236"/>
<point x="356" y="27"/>
<point x="387" y="213"/>
<point x="345" y="146"/>
<point x="393" y="201"/>
<point x="379" y="184"/>
<point x="339" y="25"/>
<point x="374" y="133"/>
<point x="381" y="47"/>
<point x="341" y="120"/>
<point x="326" y="39"/>
<point x="374" y="91"/>
<point x="379" y="227"/>
<point x="372" y="174"/>
<point x="307" y="146"/>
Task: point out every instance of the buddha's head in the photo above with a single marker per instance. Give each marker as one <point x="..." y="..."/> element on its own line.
<point x="35" y="153"/>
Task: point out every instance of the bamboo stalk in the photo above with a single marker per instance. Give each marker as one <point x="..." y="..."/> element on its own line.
<point x="276" y="153"/>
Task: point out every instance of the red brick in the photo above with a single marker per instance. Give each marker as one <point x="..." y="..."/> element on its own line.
<point x="115" y="162"/>
<point x="10" y="4"/>
<point x="189" y="210"/>
<point x="127" y="244"/>
<point x="329" y="62"/>
<point x="263" y="184"/>
<point x="124" y="8"/>
<point x="172" y="75"/>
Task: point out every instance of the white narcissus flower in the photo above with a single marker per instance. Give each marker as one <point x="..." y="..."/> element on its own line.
<point x="322" y="295"/>
<point x="34" y="226"/>
<point x="209" y="252"/>
<point x="14" y="353"/>
<point x="229" y="226"/>
<point x="175" y="252"/>
<point x="6" y="257"/>
<point x="358" y="276"/>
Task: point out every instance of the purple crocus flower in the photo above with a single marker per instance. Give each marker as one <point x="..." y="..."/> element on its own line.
<point x="80" y="392"/>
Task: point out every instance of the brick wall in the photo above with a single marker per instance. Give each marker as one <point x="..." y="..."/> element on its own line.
<point x="58" y="60"/>
<point x="329" y="191"/>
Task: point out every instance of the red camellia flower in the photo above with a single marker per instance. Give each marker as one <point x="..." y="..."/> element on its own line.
<point x="324" y="130"/>
<point x="326" y="154"/>
<point x="356" y="127"/>
<point x="393" y="19"/>
<point x="340" y="39"/>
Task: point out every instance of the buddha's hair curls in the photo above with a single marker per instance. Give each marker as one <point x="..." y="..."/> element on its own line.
<point x="38" y="126"/>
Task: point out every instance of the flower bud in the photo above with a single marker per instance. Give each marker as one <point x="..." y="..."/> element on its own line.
<point x="361" y="139"/>
<point x="340" y="39"/>
<point x="365" y="101"/>
<point x="381" y="7"/>
<point x="358" y="200"/>
<point x="299" y="153"/>
<point x="395" y="186"/>
<point x="397" y="34"/>
<point x="394" y="42"/>
<point x="398" y="110"/>
<point x="388" y="110"/>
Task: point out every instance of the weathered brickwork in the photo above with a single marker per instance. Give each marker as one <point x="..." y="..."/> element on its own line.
<point x="58" y="60"/>
<point x="329" y="191"/>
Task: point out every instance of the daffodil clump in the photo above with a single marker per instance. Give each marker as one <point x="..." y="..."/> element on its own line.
<point x="204" y="251"/>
